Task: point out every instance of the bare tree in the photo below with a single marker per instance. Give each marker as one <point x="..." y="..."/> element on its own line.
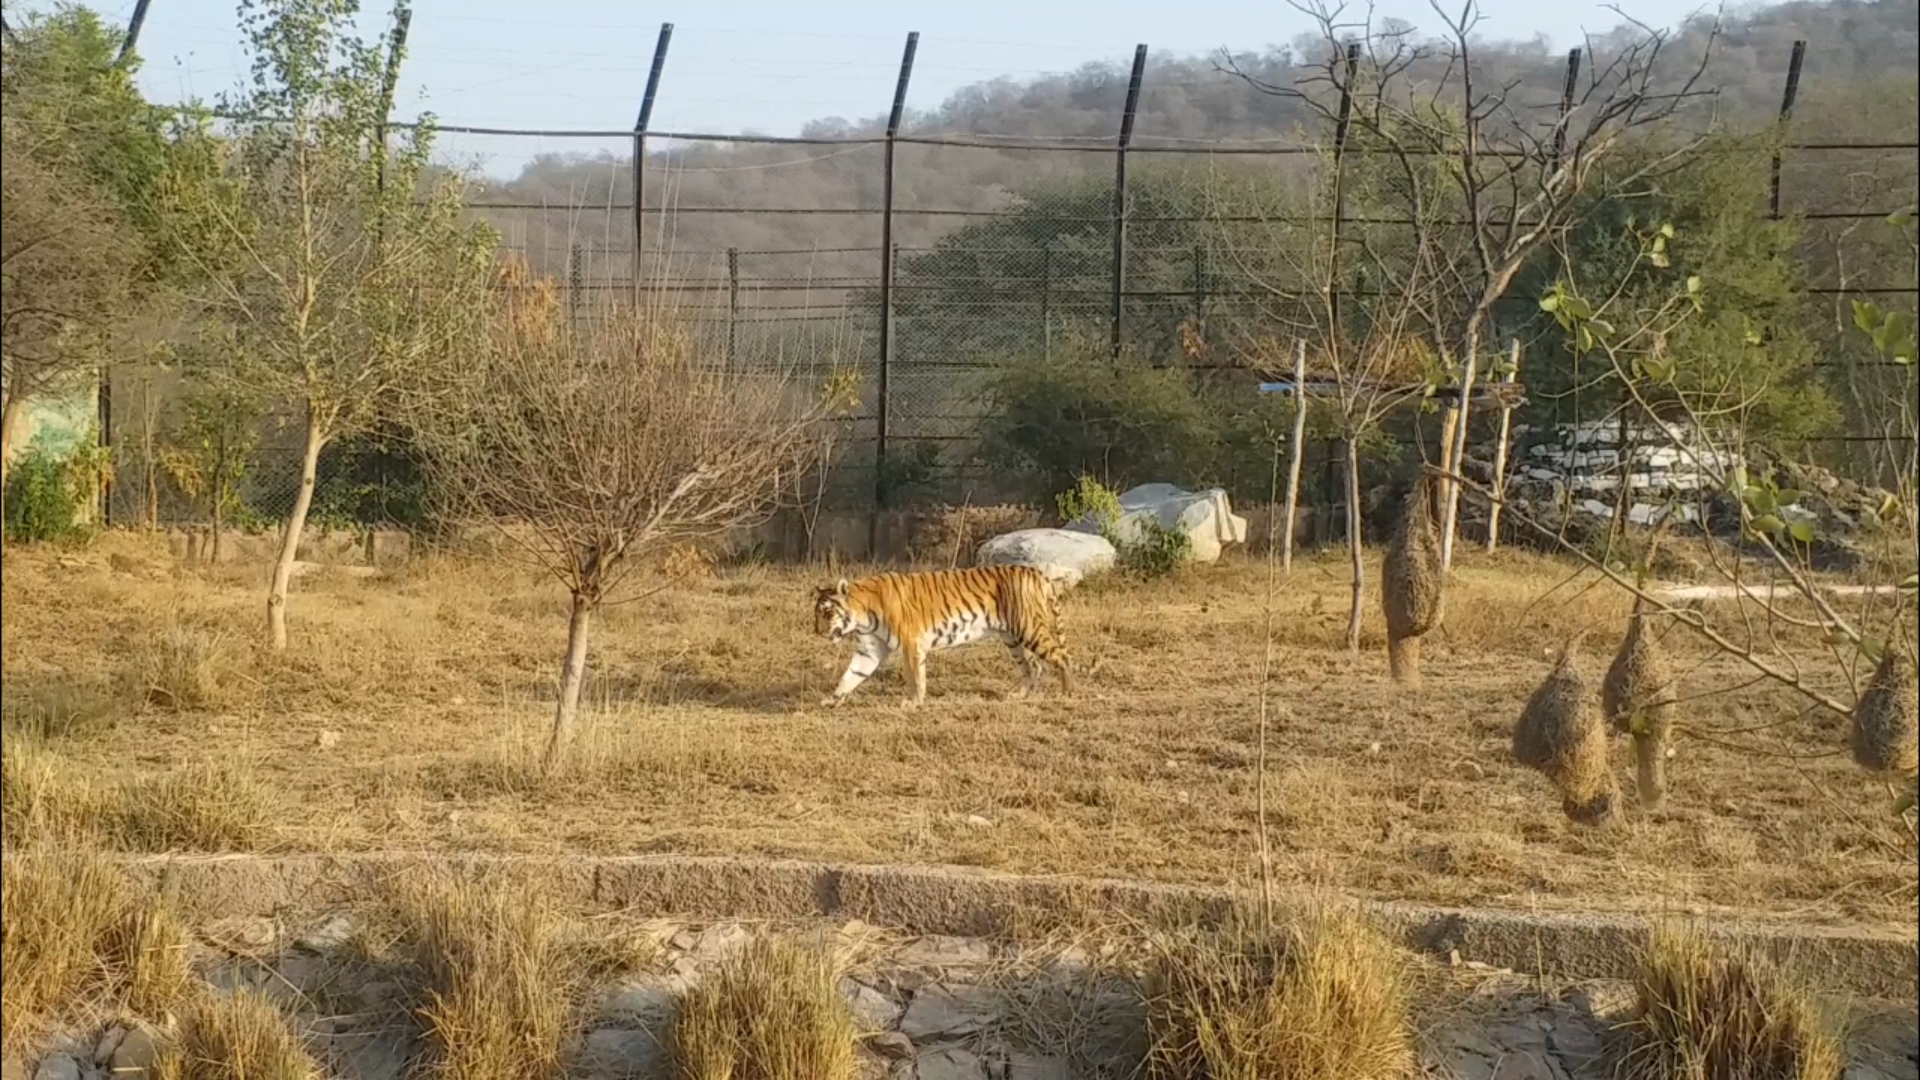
<point x="1492" y="175"/>
<point x="593" y="451"/>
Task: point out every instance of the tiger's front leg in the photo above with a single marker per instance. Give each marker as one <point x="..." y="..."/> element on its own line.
<point x="867" y="659"/>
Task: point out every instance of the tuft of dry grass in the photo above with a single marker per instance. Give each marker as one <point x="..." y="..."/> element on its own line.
<point x="1637" y="699"/>
<point x="72" y="930"/>
<point x="239" y="1036"/>
<point x="499" y="979"/>
<point x="60" y="710"/>
<point x="1706" y="1012"/>
<point x="179" y="668"/>
<point x="1322" y="998"/>
<point x="209" y="805"/>
<point x="213" y="805"/>
<point x="1561" y="736"/>
<point x="772" y="1011"/>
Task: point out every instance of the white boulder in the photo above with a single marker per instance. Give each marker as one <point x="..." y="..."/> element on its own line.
<point x="1203" y="515"/>
<point x="1065" y="556"/>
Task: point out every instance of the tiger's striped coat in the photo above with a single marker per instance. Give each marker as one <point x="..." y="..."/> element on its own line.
<point x="914" y="614"/>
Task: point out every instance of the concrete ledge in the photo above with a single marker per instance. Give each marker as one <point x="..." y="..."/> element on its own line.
<point x="921" y="900"/>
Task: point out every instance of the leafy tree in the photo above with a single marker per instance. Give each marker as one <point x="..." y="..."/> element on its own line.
<point x="344" y="271"/>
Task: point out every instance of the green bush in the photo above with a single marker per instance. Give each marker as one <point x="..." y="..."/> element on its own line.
<point x="45" y="494"/>
<point x="1156" y="551"/>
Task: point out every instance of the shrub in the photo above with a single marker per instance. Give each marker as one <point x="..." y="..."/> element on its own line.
<point x="1151" y="551"/>
<point x="45" y="494"/>
<point x="772" y="1012"/>
<point x="236" y="1037"/>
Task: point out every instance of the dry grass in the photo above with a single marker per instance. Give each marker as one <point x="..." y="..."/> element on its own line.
<point x="772" y="1011"/>
<point x="498" y="978"/>
<point x="73" y="932"/>
<point x="239" y="1036"/>
<point x="433" y="688"/>
<point x="213" y="804"/>
<point x="1707" y="1014"/>
<point x="1324" y="998"/>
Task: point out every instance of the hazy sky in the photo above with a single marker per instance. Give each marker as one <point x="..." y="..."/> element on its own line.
<point x="766" y="65"/>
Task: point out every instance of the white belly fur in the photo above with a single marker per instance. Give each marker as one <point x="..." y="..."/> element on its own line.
<point x="961" y="631"/>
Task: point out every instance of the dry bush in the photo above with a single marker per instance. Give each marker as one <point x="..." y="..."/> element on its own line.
<point x="61" y="711"/>
<point x="949" y="535"/>
<point x="594" y="451"/>
<point x="212" y="805"/>
<point x="72" y="929"/>
<point x="1706" y="1013"/>
<point x="1411" y="580"/>
<point x="180" y="668"/>
<point x="1886" y="731"/>
<point x="42" y="798"/>
<point x="1560" y="734"/>
<point x="772" y="1011"/>
<point x="498" y="978"/>
<point x="1637" y="700"/>
<point x="1325" y="998"/>
<point x="238" y="1036"/>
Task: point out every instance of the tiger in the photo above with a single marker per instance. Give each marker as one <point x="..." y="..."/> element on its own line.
<point x="914" y="614"/>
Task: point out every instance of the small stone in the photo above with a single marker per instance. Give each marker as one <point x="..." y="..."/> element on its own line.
<point x="242" y="935"/>
<point x="621" y="1052"/>
<point x="327" y="740"/>
<point x="940" y="952"/>
<point x="719" y="941"/>
<point x="57" y="1067"/>
<point x="138" y="1053"/>
<point x="891" y="1045"/>
<point x="109" y="1042"/>
<point x="942" y="1012"/>
<point x="975" y="821"/>
<point x="329" y="935"/>
<point x="637" y="1002"/>
<point x="950" y="1063"/>
<point x="872" y="1010"/>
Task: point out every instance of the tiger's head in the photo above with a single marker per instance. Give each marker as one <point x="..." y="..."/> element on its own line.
<point x="833" y="616"/>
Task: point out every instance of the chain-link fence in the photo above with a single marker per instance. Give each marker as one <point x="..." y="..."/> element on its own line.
<point x="935" y="263"/>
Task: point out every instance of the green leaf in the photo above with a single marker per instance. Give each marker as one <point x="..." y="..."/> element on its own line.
<point x="1551" y="302"/>
<point x="1801" y="530"/>
<point x="1659" y="244"/>
<point x="1693" y="285"/>
<point x="1899" y="219"/>
<point x="1601" y="328"/>
<point x="1583" y="338"/>
<point x="1911" y="582"/>
<point x="1835" y="637"/>
<point x="1760" y="499"/>
<point x="1866" y="316"/>
<point x="1769" y="524"/>
<point x="1659" y="259"/>
<point x="1786" y="496"/>
<point x="1666" y="231"/>
<point x="1904" y="804"/>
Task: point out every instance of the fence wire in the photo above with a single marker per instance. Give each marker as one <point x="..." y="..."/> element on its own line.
<point x="773" y="250"/>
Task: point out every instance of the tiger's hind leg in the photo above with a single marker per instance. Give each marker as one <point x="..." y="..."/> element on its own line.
<point x="1029" y="675"/>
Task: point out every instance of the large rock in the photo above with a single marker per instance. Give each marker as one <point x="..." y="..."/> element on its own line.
<point x="1203" y="515"/>
<point x="1065" y="556"/>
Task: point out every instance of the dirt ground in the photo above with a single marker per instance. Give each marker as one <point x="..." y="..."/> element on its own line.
<point x="410" y="711"/>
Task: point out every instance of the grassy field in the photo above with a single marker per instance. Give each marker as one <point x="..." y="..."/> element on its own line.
<point x="411" y="708"/>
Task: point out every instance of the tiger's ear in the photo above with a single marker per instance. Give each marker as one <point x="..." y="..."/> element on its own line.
<point x="841" y="588"/>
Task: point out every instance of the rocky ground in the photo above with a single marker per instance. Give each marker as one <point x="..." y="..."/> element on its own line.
<point x="931" y="1008"/>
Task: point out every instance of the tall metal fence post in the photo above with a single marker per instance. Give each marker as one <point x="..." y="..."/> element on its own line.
<point x="640" y="156"/>
<point x="1120" y="194"/>
<point x="1046" y="301"/>
<point x="1341" y="128"/>
<point x="733" y="301"/>
<point x="139" y="20"/>
<point x="1795" y="60"/>
<point x="884" y="392"/>
<point x="1567" y="90"/>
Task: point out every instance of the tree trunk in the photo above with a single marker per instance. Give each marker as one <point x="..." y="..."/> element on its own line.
<point x="573" y="674"/>
<point x="1456" y="451"/>
<point x="1295" y="454"/>
<point x="1354" y="551"/>
<point x="296" y="524"/>
<point x="16" y="407"/>
<point x="1501" y="451"/>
